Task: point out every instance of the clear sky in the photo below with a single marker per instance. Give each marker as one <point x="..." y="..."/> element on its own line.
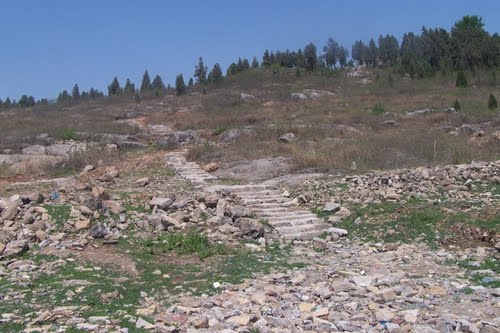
<point x="48" y="46"/>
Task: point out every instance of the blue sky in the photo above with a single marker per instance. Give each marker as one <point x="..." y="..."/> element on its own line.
<point x="48" y="46"/>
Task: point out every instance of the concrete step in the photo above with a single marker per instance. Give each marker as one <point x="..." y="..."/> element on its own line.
<point x="284" y="223"/>
<point x="265" y="205"/>
<point x="303" y="214"/>
<point x="265" y="200"/>
<point x="236" y="189"/>
<point x="302" y="236"/>
<point x="262" y="196"/>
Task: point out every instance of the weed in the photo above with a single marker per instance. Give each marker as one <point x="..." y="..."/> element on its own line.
<point x="192" y="242"/>
<point x="378" y="109"/>
<point x="264" y="222"/>
<point x="479" y="273"/>
<point x="218" y="131"/>
<point x="68" y="134"/>
<point x="58" y="213"/>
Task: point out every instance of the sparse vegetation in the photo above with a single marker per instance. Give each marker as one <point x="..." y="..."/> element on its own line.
<point x="492" y="102"/>
<point x="378" y="109"/>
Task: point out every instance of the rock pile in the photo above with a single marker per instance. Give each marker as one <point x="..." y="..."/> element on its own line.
<point x="454" y="182"/>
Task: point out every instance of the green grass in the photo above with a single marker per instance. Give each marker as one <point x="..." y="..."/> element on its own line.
<point x="479" y="278"/>
<point x="58" y="213"/>
<point x="488" y="187"/>
<point x="378" y="109"/>
<point x="68" y="134"/>
<point x="190" y="243"/>
<point x="218" y="131"/>
<point x="416" y="221"/>
<point x="46" y="290"/>
<point x="173" y="256"/>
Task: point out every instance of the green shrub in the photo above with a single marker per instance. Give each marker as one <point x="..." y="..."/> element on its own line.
<point x="218" y="131"/>
<point x="456" y="105"/>
<point x="492" y="102"/>
<point x="461" y="80"/>
<point x="378" y="109"/>
<point x="68" y="134"/>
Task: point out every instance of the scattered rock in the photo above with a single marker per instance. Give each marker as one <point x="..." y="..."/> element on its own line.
<point x="287" y="138"/>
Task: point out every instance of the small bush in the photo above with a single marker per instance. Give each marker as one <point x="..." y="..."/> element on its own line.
<point x="492" y="102"/>
<point x="461" y="80"/>
<point x="68" y="134"/>
<point x="456" y="105"/>
<point x="378" y="109"/>
<point x="190" y="243"/>
<point x="218" y="131"/>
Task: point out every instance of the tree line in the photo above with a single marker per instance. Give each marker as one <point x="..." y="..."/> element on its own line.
<point x="466" y="47"/>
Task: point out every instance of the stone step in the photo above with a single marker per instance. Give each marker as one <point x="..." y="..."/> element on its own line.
<point x="302" y="236"/>
<point x="279" y="209"/>
<point x="296" y="230"/>
<point x="236" y="189"/>
<point x="291" y="218"/>
<point x="265" y="200"/>
<point x="261" y="196"/>
<point x="285" y="223"/>
<point x="265" y="205"/>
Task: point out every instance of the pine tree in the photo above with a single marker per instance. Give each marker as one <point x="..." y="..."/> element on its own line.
<point x="114" y="87"/>
<point x="7" y="103"/>
<point x="232" y="69"/>
<point x="266" y="58"/>
<point x="255" y="63"/>
<point x="1" y="103"/>
<point x="180" y="86"/>
<point x="75" y="93"/>
<point x="146" y="83"/>
<point x="158" y="86"/>
<point x="200" y="72"/>
<point x="215" y="74"/>
<point x="63" y="97"/>
<point x="246" y="64"/>
<point x="23" y="101"/>
<point x="190" y="83"/>
<point x="311" y="60"/>
<point x="129" y="88"/>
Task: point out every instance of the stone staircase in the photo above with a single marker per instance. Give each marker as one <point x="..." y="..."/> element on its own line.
<point x="283" y="214"/>
<point x="188" y="170"/>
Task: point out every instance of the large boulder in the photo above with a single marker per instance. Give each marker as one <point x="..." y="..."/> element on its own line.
<point x="34" y="150"/>
<point x="161" y="203"/>
<point x="178" y="138"/>
<point x="98" y="231"/>
<point x="287" y="138"/>
<point x="230" y="135"/>
<point x="249" y="227"/>
<point x="15" y="248"/>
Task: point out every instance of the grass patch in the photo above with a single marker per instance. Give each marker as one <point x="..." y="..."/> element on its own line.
<point x="58" y="213"/>
<point x="68" y="134"/>
<point x="175" y="266"/>
<point x="218" y="131"/>
<point x="378" y="109"/>
<point x="481" y="274"/>
<point x="418" y="221"/>
<point x="190" y="243"/>
<point x="47" y="290"/>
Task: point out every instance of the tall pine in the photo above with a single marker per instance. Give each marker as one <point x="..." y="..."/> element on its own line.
<point x="146" y="85"/>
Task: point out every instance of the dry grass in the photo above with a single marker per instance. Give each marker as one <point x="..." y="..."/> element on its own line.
<point x="22" y="126"/>
<point x="320" y="143"/>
